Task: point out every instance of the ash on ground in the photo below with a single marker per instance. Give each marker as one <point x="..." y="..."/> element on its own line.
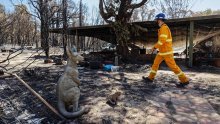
<point x="18" y="105"/>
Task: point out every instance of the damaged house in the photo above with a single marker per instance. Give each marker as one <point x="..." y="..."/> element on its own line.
<point x="194" y="38"/>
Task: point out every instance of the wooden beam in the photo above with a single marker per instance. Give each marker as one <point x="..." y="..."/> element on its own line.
<point x="191" y="43"/>
<point x="187" y="41"/>
<point x="77" y="41"/>
<point x="39" y="96"/>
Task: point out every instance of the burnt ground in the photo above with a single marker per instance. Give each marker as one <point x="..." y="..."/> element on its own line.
<point x="26" y="106"/>
<point x="18" y="105"/>
<point x="96" y="85"/>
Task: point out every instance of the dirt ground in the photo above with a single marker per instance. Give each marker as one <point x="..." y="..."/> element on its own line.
<point x="134" y="106"/>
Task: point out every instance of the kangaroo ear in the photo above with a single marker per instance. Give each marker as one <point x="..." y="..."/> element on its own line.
<point x="68" y="51"/>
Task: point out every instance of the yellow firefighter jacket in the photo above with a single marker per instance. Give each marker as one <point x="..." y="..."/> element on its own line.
<point x="164" y="43"/>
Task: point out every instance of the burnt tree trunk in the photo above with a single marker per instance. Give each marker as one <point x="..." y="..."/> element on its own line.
<point x="44" y="18"/>
<point x="35" y="34"/>
<point x="64" y="27"/>
<point x="118" y="13"/>
<point x="122" y="37"/>
<point x="44" y="38"/>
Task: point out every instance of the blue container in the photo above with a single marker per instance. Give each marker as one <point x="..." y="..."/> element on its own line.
<point x="107" y="67"/>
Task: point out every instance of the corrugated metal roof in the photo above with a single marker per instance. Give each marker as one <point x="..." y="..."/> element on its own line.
<point x="106" y="33"/>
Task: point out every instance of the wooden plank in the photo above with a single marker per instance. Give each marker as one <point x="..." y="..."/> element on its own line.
<point x="39" y="97"/>
<point x="206" y="37"/>
<point x="191" y="44"/>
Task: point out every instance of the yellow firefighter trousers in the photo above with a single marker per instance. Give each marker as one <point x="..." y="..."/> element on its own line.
<point x="171" y="64"/>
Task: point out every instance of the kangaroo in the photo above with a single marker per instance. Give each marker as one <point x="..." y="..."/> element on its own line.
<point x="68" y="88"/>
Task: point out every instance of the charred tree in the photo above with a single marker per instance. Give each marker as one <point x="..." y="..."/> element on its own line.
<point x="45" y="9"/>
<point x="65" y="26"/>
<point x="118" y="13"/>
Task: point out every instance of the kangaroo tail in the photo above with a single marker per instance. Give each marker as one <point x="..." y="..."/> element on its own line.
<point x="67" y="114"/>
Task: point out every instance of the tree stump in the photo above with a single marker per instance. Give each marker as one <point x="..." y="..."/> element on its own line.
<point x="58" y="61"/>
<point x="1" y="72"/>
<point x="46" y="61"/>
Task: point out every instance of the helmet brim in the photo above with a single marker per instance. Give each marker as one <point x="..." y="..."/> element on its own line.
<point x="159" y="19"/>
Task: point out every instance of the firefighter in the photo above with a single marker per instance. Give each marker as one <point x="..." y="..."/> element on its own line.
<point x="164" y="44"/>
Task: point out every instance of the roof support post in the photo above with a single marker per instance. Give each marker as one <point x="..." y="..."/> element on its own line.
<point x="77" y="41"/>
<point x="191" y="43"/>
<point x="187" y="41"/>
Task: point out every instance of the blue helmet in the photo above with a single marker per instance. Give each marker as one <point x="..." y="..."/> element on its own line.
<point x="160" y="16"/>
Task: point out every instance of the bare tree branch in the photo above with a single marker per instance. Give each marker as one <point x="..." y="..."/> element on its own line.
<point x="8" y="57"/>
<point x="32" y="61"/>
<point x="104" y="15"/>
<point x="23" y="9"/>
<point x="3" y="68"/>
<point x="22" y="62"/>
<point x="133" y="6"/>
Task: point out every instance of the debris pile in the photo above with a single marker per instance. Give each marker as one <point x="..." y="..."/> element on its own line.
<point x="57" y="59"/>
<point x="38" y="73"/>
<point x="136" y="68"/>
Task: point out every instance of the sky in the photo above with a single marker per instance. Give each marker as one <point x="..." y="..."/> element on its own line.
<point x="198" y="6"/>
